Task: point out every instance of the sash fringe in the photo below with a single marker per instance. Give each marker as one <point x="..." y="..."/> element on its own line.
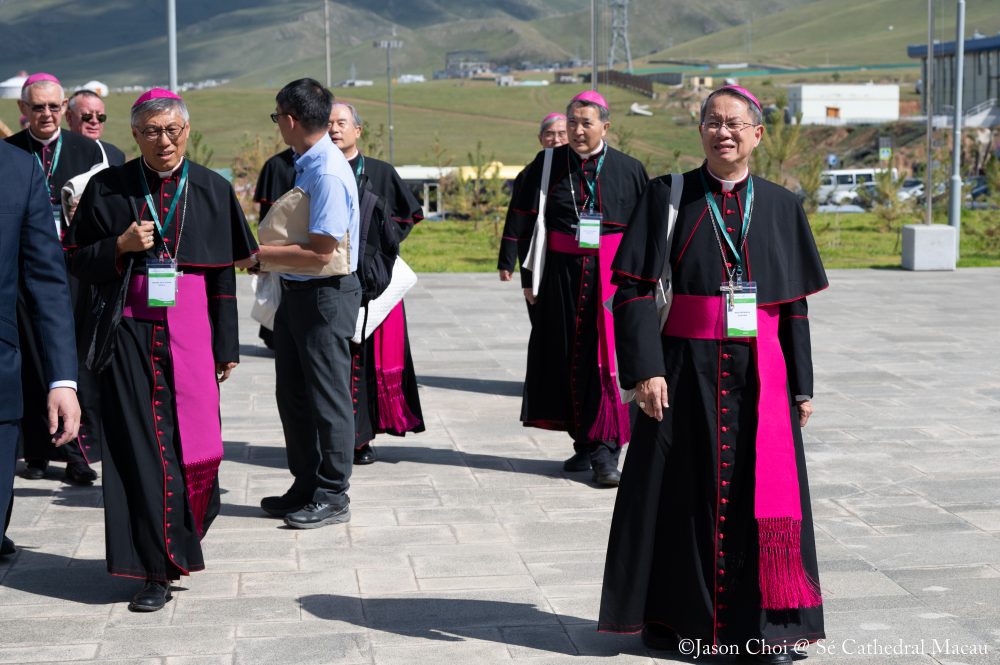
<point x="199" y="478"/>
<point x="784" y="583"/>
<point x="612" y="422"/>
<point x="394" y="414"/>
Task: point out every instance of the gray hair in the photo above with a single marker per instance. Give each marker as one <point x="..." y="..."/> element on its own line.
<point x="605" y="114"/>
<point x="41" y="84"/>
<point x="81" y="93"/>
<point x="755" y="114"/>
<point x="355" y="116"/>
<point x="156" y="107"/>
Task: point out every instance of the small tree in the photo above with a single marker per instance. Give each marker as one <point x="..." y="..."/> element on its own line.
<point x="199" y="152"/>
<point x="624" y="138"/>
<point x="247" y="164"/>
<point x="887" y="207"/>
<point x="374" y="142"/>
<point x="810" y="178"/>
<point x="780" y="142"/>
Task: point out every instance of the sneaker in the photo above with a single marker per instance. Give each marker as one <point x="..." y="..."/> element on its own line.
<point x="315" y="515"/>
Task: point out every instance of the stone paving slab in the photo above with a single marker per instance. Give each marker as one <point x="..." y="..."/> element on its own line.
<point x="469" y="544"/>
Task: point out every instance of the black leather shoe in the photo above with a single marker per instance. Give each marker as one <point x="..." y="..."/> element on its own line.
<point x="578" y="462"/>
<point x="315" y="515"/>
<point x="154" y="596"/>
<point x="80" y="474"/>
<point x="279" y="506"/>
<point x="35" y="469"/>
<point x="778" y="657"/>
<point x="660" y="638"/>
<point x="365" y="454"/>
<point x="7" y="547"/>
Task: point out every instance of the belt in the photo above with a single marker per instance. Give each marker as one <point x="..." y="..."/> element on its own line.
<point x="296" y="285"/>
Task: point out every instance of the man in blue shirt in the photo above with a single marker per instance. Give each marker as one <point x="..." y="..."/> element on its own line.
<point x="316" y="319"/>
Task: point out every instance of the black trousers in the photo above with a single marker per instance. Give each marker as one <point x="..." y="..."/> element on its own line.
<point x="312" y="359"/>
<point x="9" y="433"/>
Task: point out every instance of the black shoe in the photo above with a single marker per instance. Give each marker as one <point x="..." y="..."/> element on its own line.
<point x="605" y="465"/>
<point x="578" y="462"/>
<point x="777" y="657"/>
<point x="80" y="474"/>
<point x="7" y="547"/>
<point x="660" y="638"/>
<point x="365" y="454"/>
<point x="35" y="469"/>
<point x="315" y="515"/>
<point x="279" y="506"/>
<point x="154" y="596"/>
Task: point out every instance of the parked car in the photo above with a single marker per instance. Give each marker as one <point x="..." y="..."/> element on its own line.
<point x="837" y="186"/>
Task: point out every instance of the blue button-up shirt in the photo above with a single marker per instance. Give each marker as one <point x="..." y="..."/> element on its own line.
<point x="324" y="174"/>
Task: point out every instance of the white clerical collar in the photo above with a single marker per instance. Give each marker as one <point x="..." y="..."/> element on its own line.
<point x="353" y="156"/>
<point x="594" y="153"/>
<point x="163" y="174"/>
<point x="729" y="185"/>
<point x="45" y="142"/>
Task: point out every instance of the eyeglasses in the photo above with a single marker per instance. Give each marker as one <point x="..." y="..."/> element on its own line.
<point x="173" y="132"/>
<point x="41" y="108"/>
<point x="275" y="116"/>
<point x="101" y="117"/>
<point x="735" y="127"/>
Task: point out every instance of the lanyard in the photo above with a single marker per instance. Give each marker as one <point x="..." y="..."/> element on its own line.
<point x="360" y="168"/>
<point x="173" y="204"/>
<point x="591" y="184"/>
<point x="717" y="216"/>
<point x="55" y="161"/>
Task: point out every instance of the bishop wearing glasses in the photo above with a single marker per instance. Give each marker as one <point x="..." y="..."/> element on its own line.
<point x="166" y="233"/>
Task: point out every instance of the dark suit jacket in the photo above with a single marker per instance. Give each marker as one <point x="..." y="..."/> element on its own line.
<point x="28" y="240"/>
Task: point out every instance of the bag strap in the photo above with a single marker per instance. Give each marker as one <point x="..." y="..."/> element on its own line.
<point x="543" y="191"/>
<point x="676" y="190"/>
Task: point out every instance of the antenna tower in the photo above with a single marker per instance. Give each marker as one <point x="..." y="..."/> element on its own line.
<point x="619" y="34"/>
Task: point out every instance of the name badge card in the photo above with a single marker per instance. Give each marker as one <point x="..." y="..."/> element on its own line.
<point x="740" y="303"/>
<point x="161" y="282"/>
<point x="589" y="232"/>
<point x="57" y="217"/>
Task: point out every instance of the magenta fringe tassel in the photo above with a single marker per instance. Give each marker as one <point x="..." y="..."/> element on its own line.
<point x="784" y="582"/>
<point x="611" y="423"/>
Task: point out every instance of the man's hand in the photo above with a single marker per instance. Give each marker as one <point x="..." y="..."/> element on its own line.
<point x="651" y="396"/>
<point x="223" y="370"/>
<point x="137" y="238"/>
<point x="506" y="276"/>
<point x="249" y="262"/>
<point x="62" y="403"/>
<point x="805" y="410"/>
<point x="530" y="297"/>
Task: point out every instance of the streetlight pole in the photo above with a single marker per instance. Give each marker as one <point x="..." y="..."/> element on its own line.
<point x="593" y="44"/>
<point x="388" y="45"/>
<point x="326" y="29"/>
<point x="172" y="41"/>
<point x="929" y="106"/>
<point x="955" y="210"/>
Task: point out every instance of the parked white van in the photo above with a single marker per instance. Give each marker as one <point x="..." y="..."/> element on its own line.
<point x="837" y="186"/>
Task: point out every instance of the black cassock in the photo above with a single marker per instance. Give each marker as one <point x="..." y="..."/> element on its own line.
<point x="277" y="176"/>
<point x="158" y="503"/>
<point x="366" y="375"/>
<point x="76" y="155"/>
<point x="683" y="549"/>
<point x="563" y="384"/>
<point x="115" y="156"/>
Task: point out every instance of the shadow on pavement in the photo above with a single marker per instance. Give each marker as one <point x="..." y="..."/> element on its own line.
<point x="468" y="385"/>
<point x="86" y="581"/>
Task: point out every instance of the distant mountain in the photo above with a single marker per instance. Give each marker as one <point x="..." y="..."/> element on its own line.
<point x="262" y="42"/>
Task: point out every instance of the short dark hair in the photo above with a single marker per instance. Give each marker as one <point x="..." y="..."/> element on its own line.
<point x="308" y="102"/>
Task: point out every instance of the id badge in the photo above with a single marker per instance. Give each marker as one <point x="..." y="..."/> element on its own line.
<point x="740" y="304"/>
<point x="589" y="232"/>
<point x="57" y="217"/>
<point x="161" y="283"/>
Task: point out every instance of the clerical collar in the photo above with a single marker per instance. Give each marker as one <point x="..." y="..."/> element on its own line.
<point x="354" y="156"/>
<point x="46" y="142"/>
<point x="591" y="154"/>
<point x="163" y="174"/>
<point x="728" y="185"/>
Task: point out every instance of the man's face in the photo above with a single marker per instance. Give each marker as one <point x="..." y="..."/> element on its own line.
<point x="554" y="135"/>
<point x="44" y="109"/>
<point x="343" y="132"/>
<point x="83" y="119"/>
<point x="585" y="129"/>
<point x="727" y="151"/>
<point x="153" y="134"/>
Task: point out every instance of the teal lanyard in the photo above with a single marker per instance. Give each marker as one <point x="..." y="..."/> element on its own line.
<point x="173" y="204"/>
<point x="717" y="216"/>
<point x="55" y="161"/>
<point x="592" y="184"/>
<point x="360" y="169"/>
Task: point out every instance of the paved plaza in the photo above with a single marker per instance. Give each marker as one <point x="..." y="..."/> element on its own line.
<point x="470" y="545"/>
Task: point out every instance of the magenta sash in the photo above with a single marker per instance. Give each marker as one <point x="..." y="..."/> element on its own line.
<point x="784" y="583"/>
<point x="394" y="414"/>
<point x="196" y="391"/>
<point x="611" y="422"/>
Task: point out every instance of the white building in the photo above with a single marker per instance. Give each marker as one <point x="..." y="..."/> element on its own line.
<point x="844" y="104"/>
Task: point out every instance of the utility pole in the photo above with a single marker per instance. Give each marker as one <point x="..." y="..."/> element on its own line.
<point x="326" y="29"/>
<point x="929" y="106"/>
<point x="593" y="44"/>
<point x="619" y="34"/>
<point x="172" y="42"/>
<point x="388" y="45"/>
<point x="955" y="209"/>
